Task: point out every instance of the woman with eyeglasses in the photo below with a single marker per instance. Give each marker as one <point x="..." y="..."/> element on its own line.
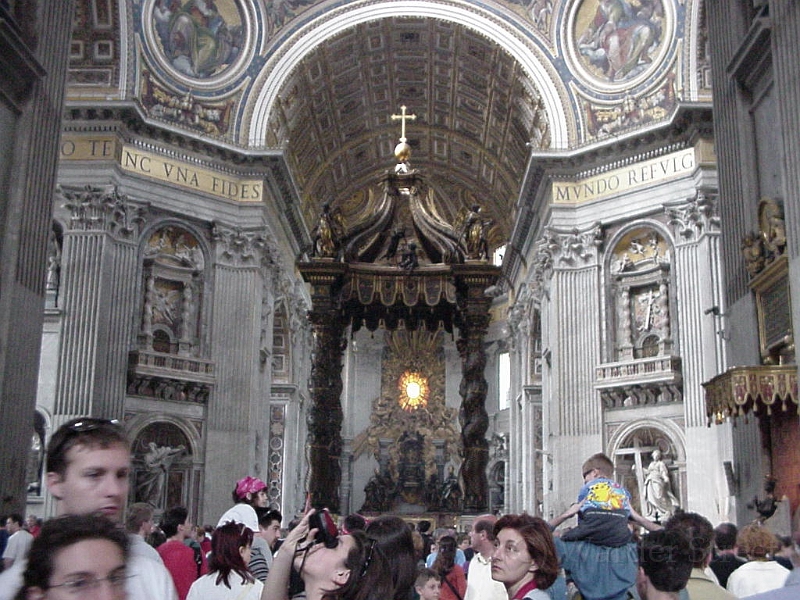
<point x="346" y="567"/>
<point x="228" y="577"/>
<point x="524" y="558"/>
<point x="77" y="558"/>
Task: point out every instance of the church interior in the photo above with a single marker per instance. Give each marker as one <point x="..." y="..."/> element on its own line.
<point x="419" y="258"/>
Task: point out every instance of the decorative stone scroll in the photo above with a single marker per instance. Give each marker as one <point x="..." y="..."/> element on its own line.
<point x="691" y="219"/>
<point x="237" y="247"/>
<point x="102" y="208"/>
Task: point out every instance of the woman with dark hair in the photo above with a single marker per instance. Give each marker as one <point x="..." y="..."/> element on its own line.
<point x="524" y="558"/>
<point x="454" y="584"/>
<point x="397" y="544"/>
<point x="74" y="556"/>
<point x="350" y="567"/>
<point x="228" y="577"/>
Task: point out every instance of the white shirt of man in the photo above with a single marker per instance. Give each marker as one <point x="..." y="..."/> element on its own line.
<point x="139" y="547"/>
<point x="18" y="546"/>
<point x="480" y="585"/>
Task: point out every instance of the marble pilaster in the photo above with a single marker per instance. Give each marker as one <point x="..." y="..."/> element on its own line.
<point x="238" y="409"/>
<point x="571" y="349"/>
<point x="98" y="282"/>
<point x="733" y="127"/>
<point x="698" y="289"/>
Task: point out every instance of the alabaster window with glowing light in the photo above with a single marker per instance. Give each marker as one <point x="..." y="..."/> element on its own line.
<point x="413" y="391"/>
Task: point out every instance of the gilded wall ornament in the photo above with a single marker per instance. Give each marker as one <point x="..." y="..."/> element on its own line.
<point x="414" y="360"/>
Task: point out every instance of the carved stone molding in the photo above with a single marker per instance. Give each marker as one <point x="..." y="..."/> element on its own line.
<point x="102" y="209"/>
<point x="689" y="220"/>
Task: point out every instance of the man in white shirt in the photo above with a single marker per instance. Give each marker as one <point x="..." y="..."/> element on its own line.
<point x="480" y="585"/>
<point x="139" y="524"/>
<point x="88" y="466"/>
<point x="18" y="544"/>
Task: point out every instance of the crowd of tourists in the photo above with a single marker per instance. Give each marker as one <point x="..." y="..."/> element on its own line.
<point x="99" y="548"/>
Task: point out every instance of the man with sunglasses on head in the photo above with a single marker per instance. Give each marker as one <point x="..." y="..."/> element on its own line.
<point x="88" y="467"/>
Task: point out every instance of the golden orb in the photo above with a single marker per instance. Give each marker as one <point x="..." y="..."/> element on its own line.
<point x="402" y="151"/>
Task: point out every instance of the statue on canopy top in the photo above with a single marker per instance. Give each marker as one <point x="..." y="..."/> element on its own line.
<point x="328" y="233"/>
<point x="472" y="229"/>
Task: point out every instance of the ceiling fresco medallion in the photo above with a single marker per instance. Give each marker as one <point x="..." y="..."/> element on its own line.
<point x="616" y="44"/>
<point x="205" y="41"/>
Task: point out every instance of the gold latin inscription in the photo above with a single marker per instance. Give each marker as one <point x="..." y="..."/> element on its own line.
<point x="87" y="148"/>
<point x="152" y="165"/>
<point x="196" y="178"/>
<point x="627" y="178"/>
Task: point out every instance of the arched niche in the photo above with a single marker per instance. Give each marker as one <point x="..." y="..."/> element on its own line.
<point x="640" y="294"/>
<point x="173" y="289"/>
<point x="164" y="470"/>
<point x="632" y="449"/>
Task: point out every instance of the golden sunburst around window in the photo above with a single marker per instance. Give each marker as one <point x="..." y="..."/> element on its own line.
<point x="413" y="391"/>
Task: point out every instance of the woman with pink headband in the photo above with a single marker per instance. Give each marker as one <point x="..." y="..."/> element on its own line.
<point x="250" y="493"/>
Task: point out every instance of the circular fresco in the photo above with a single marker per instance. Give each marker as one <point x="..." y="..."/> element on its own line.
<point x="618" y="43"/>
<point x="202" y="40"/>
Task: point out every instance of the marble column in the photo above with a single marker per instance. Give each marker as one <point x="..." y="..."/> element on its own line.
<point x="238" y="408"/>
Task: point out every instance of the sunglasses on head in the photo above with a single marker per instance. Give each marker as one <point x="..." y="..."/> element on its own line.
<point x="83" y="425"/>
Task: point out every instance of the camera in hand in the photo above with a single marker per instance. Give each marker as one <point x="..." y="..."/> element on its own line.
<point x="327" y="532"/>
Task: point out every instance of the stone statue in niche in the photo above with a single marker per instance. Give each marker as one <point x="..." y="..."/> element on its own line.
<point x="165" y="303"/>
<point x="624" y="317"/>
<point x="149" y="300"/>
<point x="661" y="311"/>
<point x="152" y="484"/>
<point x="660" y="502"/>
<point x="53" y="264"/>
<point x="451" y="492"/>
<point x="33" y="469"/>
